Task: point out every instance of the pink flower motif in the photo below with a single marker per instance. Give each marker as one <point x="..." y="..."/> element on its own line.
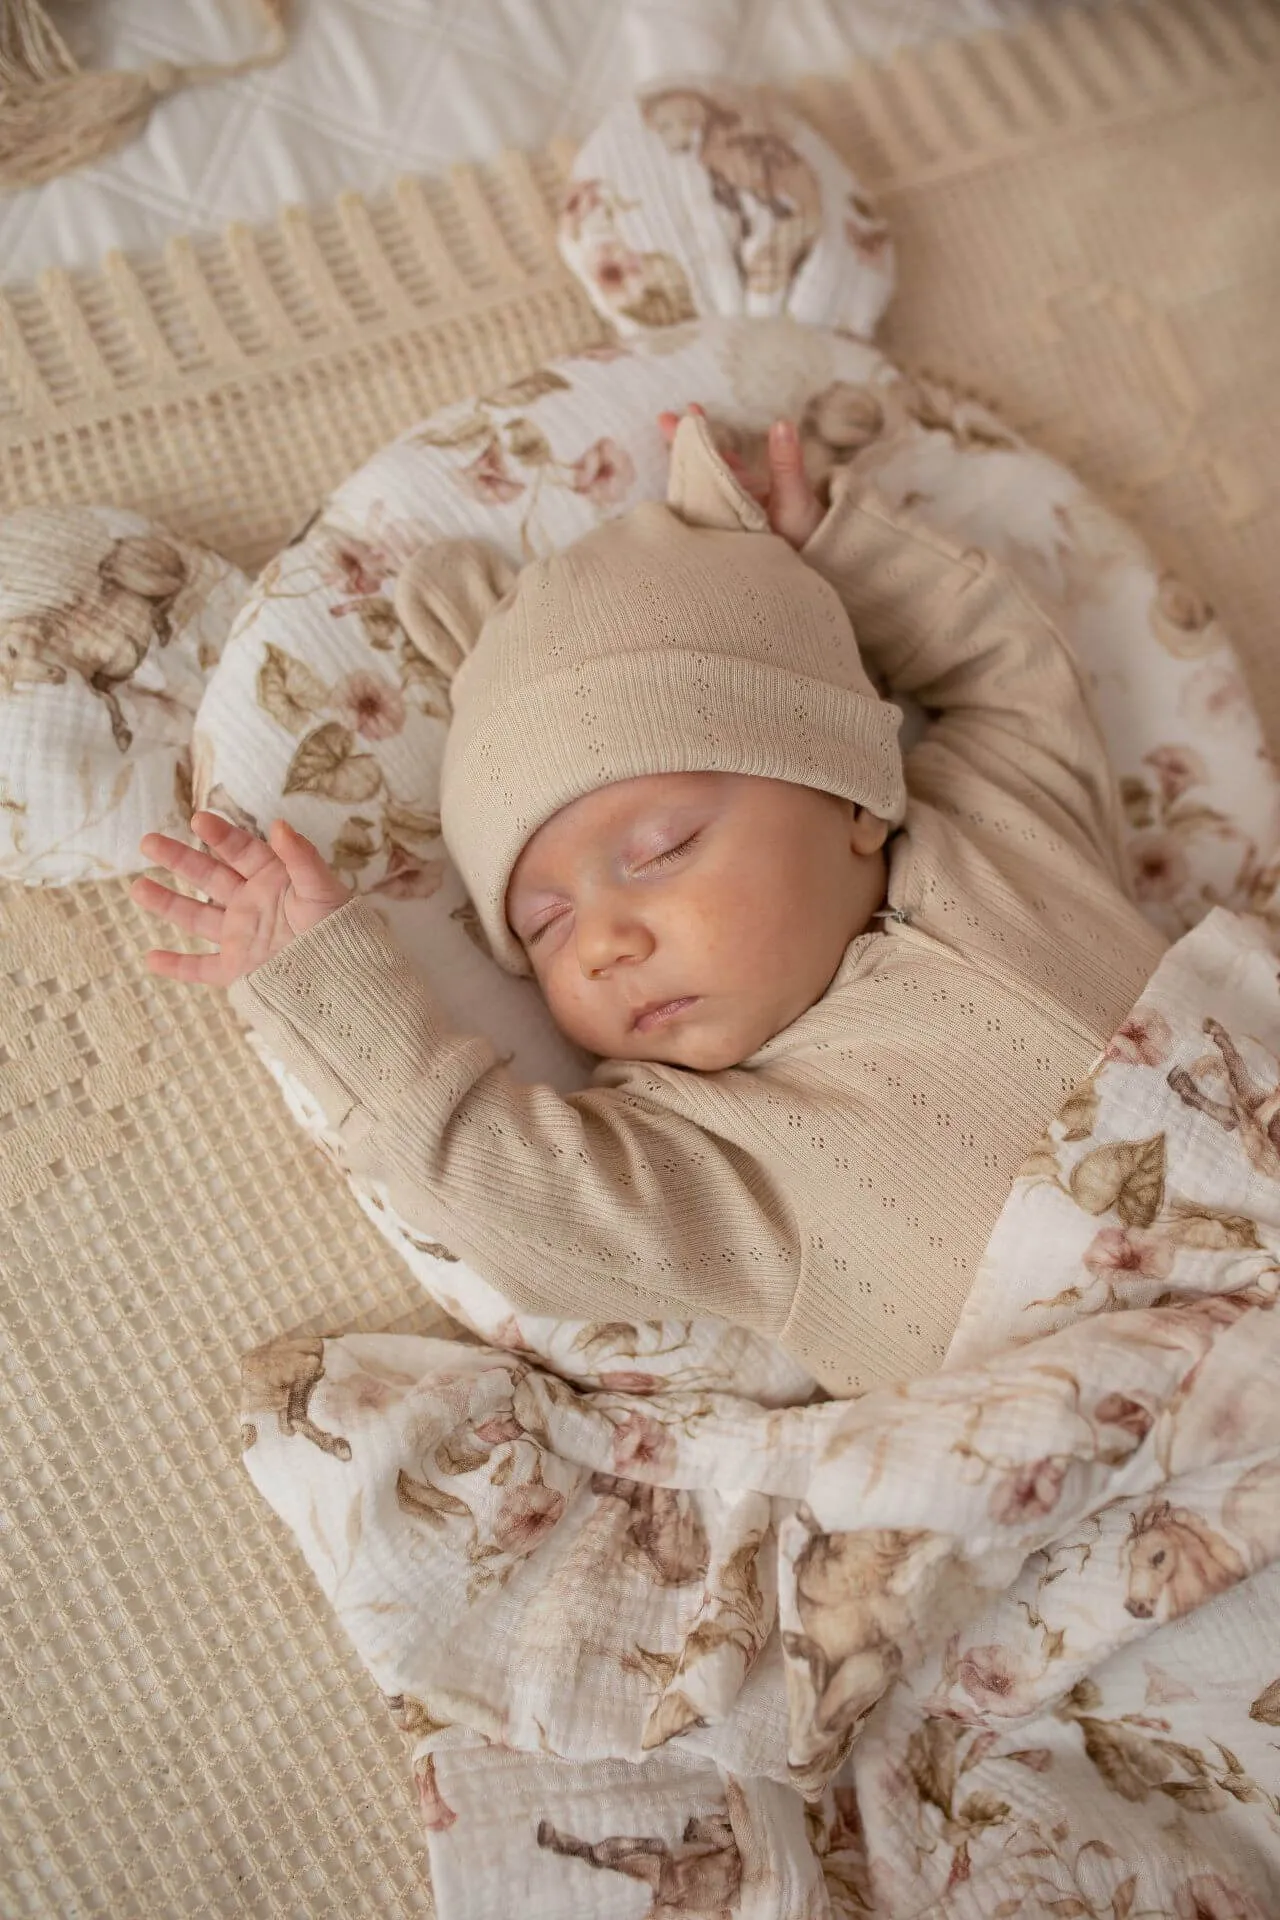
<point x="1158" y="866"/>
<point x="1144" y="1040"/>
<point x="640" y="1443"/>
<point x="582" y="199"/>
<point x="507" y="1334"/>
<point x="630" y="1382"/>
<point x="526" y="1513"/>
<point x="503" y="1426"/>
<point x="604" y="473"/>
<point x="1216" y="698"/>
<point x="1208" y="1896"/>
<point x="616" y="271"/>
<point x="1028" y="1492"/>
<point x="435" y="1810"/>
<point x="1035" y="1759"/>
<point x="1176" y="768"/>
<point x="353" y="566"/>
<point x="488" y="478"/>
<point x="1117" y="1410"/>
<point x="994" y="1680"/>
<point x="1117" y="1250"/>
<point x="370" y="704"/>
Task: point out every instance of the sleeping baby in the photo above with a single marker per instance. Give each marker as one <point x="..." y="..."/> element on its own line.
<point x="835" y="995"/>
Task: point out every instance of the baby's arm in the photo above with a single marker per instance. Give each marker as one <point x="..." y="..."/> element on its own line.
<point x="955" y="629"/>
<point x="601" y="1205"/>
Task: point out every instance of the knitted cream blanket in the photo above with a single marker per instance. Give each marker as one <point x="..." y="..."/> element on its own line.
<point x="1087" y="216"/>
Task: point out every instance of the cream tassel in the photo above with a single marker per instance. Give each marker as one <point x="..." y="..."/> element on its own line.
<point x="54" y="116"/>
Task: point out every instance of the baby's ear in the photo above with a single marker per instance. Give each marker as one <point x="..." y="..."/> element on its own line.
<point x="702" y="490"/>
<point x="445" y="594"/>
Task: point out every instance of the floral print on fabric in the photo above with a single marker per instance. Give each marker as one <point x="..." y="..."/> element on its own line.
<point x="703" y="198"/>
<point x="109" y="629"/>
<point x="1007" y="1631"/>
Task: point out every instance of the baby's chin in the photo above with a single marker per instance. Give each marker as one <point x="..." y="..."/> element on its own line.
<point x="700" y="1047"/>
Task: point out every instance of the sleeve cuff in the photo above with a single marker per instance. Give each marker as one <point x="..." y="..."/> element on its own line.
<point x="343" y="1011"/>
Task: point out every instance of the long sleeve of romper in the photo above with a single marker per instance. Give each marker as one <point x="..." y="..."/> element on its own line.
<point x="611" y="1202"/>
<point x="1004" y="692"/>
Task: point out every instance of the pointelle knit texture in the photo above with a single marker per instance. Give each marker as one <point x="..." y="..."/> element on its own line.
<point x="664" y="642"/>
<point x="838" y="1188"/>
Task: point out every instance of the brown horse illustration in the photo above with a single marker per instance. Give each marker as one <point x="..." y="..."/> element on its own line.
<point x="105" y="632"/>
<point x="666" y="1541"/>
<point x="851" y="1595"/>
<point x="280" y="1378"/>
<point x="1176" y="1563"/>
<point x="698" y="1878"/>
<point x="768" y="194"/>
<point x="1247" y="1108"/>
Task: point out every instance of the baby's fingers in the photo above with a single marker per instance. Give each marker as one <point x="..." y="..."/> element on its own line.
<point x="242" y="851"/>
<point x="794" y="509"/>
<point x="668" y="422"/>
<point x="200" y="969"/>
<point x="193" y="916"/>
<point x="211" y="876"/>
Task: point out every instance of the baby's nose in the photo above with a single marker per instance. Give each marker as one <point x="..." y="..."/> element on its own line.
<point x="606" y="941"/>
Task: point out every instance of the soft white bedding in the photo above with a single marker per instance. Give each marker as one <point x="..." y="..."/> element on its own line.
<point x="373" y="88"/>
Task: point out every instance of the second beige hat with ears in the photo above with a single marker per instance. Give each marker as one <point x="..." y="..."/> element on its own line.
<point x="679" y="638"/>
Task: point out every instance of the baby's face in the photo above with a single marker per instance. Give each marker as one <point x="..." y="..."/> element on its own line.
<point x="689" y="917"/>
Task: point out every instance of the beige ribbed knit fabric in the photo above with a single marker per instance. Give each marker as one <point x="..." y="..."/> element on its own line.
<point x="677" y="639"/>
<point x="197" y="1738"/>
<point x="837" y="1189"/>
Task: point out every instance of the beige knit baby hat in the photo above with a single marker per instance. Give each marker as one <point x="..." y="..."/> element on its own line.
<point x="676" y="639"/>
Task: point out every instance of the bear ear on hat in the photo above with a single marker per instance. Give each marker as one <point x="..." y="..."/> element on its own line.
<point x="702" y="490"/>
<point x="445" y="594"/>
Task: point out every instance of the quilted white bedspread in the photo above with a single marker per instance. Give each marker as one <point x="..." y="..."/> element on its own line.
<point x="374" y="88"/>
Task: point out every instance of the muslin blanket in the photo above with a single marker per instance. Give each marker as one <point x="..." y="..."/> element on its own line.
<point x="1003" y="1641"/>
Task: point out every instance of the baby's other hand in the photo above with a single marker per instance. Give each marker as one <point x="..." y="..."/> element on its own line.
<point x="262" y="894"/>
<point x="787" y="497"/>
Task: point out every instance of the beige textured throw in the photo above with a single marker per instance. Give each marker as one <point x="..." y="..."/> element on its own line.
<point x="1087" y="216"/>
<point x="55" y="116"/>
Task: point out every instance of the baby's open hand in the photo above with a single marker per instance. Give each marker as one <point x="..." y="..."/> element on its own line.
<point x="262" y="894"/>
<point x="789" y="500"/>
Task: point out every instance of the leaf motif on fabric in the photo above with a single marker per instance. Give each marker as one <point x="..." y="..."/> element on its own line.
<point x="1129" y="1763"/>
<point x="605" y="1336"/>
<point x="528" y="388"/>
<point x="527" y="442"/>
<point x="456" y="1454"/>
<point x="288" y="690"/>
<point x="412" y="1715"/>
<point x="674" y="1714"/>
<point x="381" y="625"/>
<point x="1127" y="1175"/>
<point x="355" y="845"/>
<point x="664" y="298"/>
<point x="661" y="1668"/>
<point x="982" y="1810"/>
<point x="1138" y="802"/>
<point x="326" y="763"/>
<point x="1266" y="1708"/>
<point x="931" y="1761"/>
<point x="404" y="822"/>
<point x="425" y="1502"/>
<point x="473" y="426"/>
<point x="1078" y="1113"/>
<point x="1209" y="1229"/>
<point x="417" y="671"/>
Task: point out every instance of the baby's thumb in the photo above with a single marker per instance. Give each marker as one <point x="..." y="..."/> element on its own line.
<point x="311" y="877"/>
<point x="794" y="511"/>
